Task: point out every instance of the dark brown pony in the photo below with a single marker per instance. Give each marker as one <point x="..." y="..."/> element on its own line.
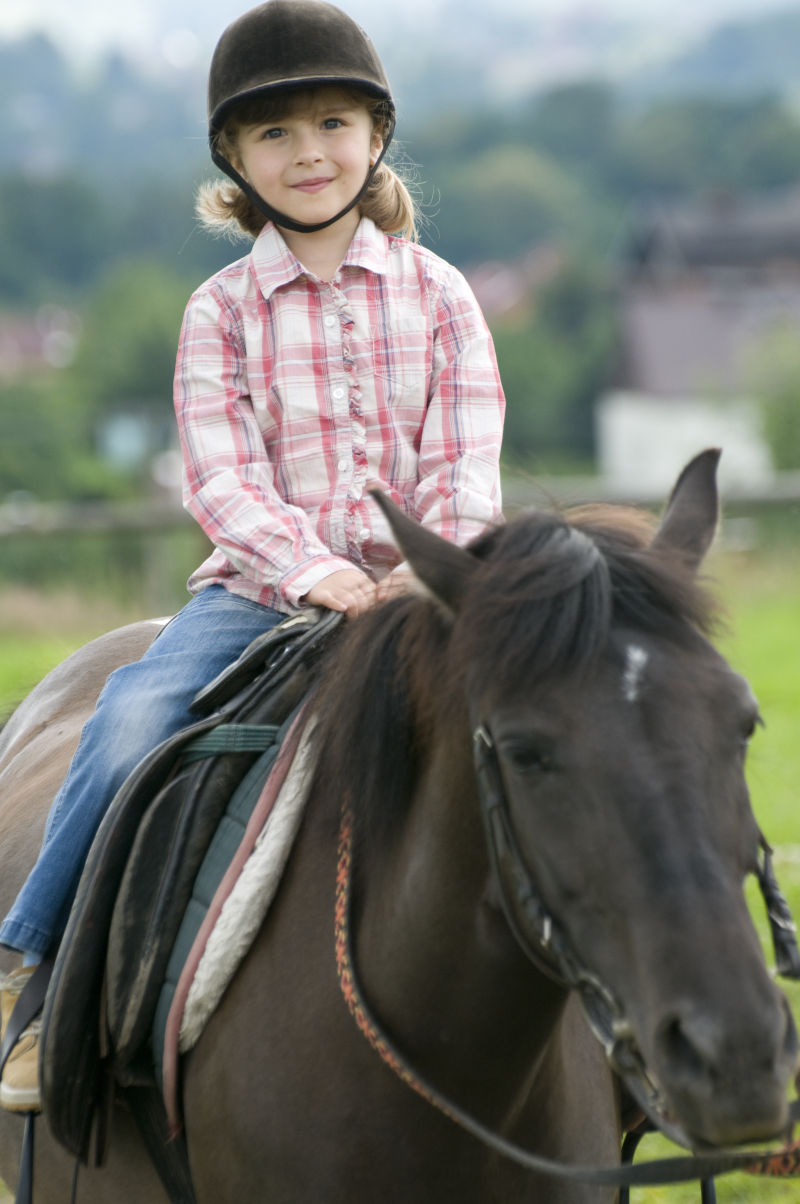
<point x="579" y="646"/>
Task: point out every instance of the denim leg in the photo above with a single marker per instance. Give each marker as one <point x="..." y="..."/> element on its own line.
<point x="141" y="704"/>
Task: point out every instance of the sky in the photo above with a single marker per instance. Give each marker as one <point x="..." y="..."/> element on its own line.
<point x="186" y="30"/>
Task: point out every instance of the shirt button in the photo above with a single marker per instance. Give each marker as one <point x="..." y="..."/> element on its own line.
<point x="343" y="464"/>
<point x="330" y="320"/>
<point x="365" y="533"/>
<point x="338" y="392"/>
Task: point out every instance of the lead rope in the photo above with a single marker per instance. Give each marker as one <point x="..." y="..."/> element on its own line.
<point x="658" y="1172"/>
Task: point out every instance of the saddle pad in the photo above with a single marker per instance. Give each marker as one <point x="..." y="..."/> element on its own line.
<point x="71" y="1046"/>
<point x="180" y="825"/>
<point x="233" y="891"/>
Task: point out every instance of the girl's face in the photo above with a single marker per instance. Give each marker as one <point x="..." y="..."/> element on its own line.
<point x="311" y="162"/>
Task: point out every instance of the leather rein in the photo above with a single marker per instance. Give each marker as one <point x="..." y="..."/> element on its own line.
<point x="544" y="943"/>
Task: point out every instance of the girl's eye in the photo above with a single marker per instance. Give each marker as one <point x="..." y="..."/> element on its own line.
<point x="273" y="132"/>
<point x="332" y="123"/>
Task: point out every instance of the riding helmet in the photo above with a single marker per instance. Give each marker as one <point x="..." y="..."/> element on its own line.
<point x="286" y="44"/>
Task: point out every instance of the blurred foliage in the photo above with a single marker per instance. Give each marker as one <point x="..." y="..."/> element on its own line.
<point x="775" y="375"/>
<point x="132" y="322"/>
<point x="554" y="359"/>
<point x="96" y="189"/>
<point x="685" y="145"/>
<point x="502" y="200"/>
<point x="52" y="421"/>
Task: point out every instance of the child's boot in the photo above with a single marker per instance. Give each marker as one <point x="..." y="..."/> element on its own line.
<point x="19" y="1087"/>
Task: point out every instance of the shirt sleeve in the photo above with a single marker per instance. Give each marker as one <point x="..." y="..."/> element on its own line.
<point x="458" y="491"/>
<point x="229" y="481"/>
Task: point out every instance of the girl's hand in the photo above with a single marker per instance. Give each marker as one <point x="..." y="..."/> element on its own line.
<point x="400" y="581"/>
<point x="348" y="590"/>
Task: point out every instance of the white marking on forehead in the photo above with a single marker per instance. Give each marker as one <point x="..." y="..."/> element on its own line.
<point x="635" y="663"/>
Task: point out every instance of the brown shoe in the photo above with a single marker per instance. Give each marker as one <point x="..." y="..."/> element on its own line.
<point x="19" y="1087"/>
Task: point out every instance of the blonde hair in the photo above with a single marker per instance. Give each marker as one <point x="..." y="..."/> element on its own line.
<point x="223" y="208"/>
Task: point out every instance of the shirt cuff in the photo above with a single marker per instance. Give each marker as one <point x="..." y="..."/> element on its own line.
<point x="301" y="578"/>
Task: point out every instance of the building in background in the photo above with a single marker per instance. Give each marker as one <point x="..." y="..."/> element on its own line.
<point x="706" y="290"/>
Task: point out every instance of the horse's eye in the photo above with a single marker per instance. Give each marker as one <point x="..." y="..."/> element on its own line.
<point x="527" y="756"/>
<point x="749" y="728"/>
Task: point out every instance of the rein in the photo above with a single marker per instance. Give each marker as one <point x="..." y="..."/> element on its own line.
<point x="542" y="941"/>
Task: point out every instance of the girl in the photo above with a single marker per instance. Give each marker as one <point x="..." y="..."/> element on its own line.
<point x="337" y="356"/>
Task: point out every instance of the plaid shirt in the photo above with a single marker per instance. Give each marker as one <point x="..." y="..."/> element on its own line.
<point x="295" y="396"/>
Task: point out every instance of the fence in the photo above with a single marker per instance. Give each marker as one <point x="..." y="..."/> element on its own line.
<point x="150" y="546"/>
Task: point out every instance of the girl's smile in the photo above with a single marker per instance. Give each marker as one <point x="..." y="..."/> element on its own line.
<point x="314" y="185"/>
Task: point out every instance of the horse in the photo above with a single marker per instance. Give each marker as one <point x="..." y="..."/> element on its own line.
<point x="578" y="647"/>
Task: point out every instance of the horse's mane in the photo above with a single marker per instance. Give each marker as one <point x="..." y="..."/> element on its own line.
<point x="547" y="591"/>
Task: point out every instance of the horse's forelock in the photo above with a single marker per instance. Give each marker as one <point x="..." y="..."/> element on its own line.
<point x="652" y="591"/>
<point x="550" y="587"/>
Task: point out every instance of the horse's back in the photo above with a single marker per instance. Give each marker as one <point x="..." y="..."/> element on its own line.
<point x="37" y="743"/>
<point x="72" y="687"/>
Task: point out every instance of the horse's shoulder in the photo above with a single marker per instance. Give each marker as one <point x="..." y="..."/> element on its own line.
<point x="69" y="691"/>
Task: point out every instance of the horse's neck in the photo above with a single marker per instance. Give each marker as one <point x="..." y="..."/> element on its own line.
<point x="436" y="955"/>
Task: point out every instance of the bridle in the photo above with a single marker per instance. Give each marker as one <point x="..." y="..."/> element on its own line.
<point x="545" y="944"/>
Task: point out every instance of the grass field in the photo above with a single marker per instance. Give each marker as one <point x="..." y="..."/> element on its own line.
<point x="762" y="640"/>
<point x="762" y="597"/>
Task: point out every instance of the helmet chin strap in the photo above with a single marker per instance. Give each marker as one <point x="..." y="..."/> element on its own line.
<point x="283" y="219"/>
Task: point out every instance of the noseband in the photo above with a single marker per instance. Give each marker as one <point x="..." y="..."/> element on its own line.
<point x="544" y="943"/>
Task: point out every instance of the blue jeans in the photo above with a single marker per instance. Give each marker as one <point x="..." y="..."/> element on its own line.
<point x="141" y="704"/>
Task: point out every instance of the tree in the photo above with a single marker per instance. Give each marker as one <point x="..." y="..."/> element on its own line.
<point x="131" y="328"/>
<point x="554" y="363"/>
<point x="683" y="146"/>
<point x="576" y="123"/>
<point x="502" y="202"/>
<point x="775" y="378"/>
<point x="52" y="235"/>
<point x="51" y="422"/>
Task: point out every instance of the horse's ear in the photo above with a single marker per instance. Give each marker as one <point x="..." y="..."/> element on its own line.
<point x="692" y="514"/>
<point x="441" y="566"/>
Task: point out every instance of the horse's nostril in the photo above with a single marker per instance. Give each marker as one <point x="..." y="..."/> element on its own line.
<point x="680" y="1055"/>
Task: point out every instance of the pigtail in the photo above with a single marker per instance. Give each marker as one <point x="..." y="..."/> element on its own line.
<point x="390" y="205"/>
<point x="223" y="209"/>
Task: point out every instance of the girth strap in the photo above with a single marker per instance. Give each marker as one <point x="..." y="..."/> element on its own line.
<point x="230" y="738"/>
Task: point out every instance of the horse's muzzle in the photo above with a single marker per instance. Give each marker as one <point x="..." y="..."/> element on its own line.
<point x="728" y="1086"/>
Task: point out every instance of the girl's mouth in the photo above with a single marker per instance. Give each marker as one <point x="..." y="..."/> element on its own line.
<point x="315" y="185"/>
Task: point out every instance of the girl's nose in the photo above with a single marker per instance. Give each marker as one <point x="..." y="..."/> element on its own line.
<point x="307" y="149"/>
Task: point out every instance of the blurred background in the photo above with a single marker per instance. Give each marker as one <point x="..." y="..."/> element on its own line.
<point x="620" y="183"/>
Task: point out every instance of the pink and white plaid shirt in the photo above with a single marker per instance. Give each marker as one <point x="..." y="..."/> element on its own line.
<point x="295" y="396"/>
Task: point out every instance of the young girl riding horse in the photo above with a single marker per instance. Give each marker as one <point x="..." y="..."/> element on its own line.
<point x="336" y="357"/>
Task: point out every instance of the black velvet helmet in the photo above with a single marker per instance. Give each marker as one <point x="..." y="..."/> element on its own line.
<point x="287" y="44"/>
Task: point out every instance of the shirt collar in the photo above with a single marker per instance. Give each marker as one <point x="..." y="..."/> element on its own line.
<point x="369" y="248"/>
<point x="274" y="264"/>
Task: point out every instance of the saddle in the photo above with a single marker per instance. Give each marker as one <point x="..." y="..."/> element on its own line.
<point x="139" y="879"/>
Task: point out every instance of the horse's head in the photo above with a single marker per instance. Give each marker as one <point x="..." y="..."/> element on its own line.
<point x="620" y="737"/>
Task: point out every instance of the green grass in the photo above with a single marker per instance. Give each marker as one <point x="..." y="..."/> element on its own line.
<point x="38" y="630"/>
<point x="762" y="597"/>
